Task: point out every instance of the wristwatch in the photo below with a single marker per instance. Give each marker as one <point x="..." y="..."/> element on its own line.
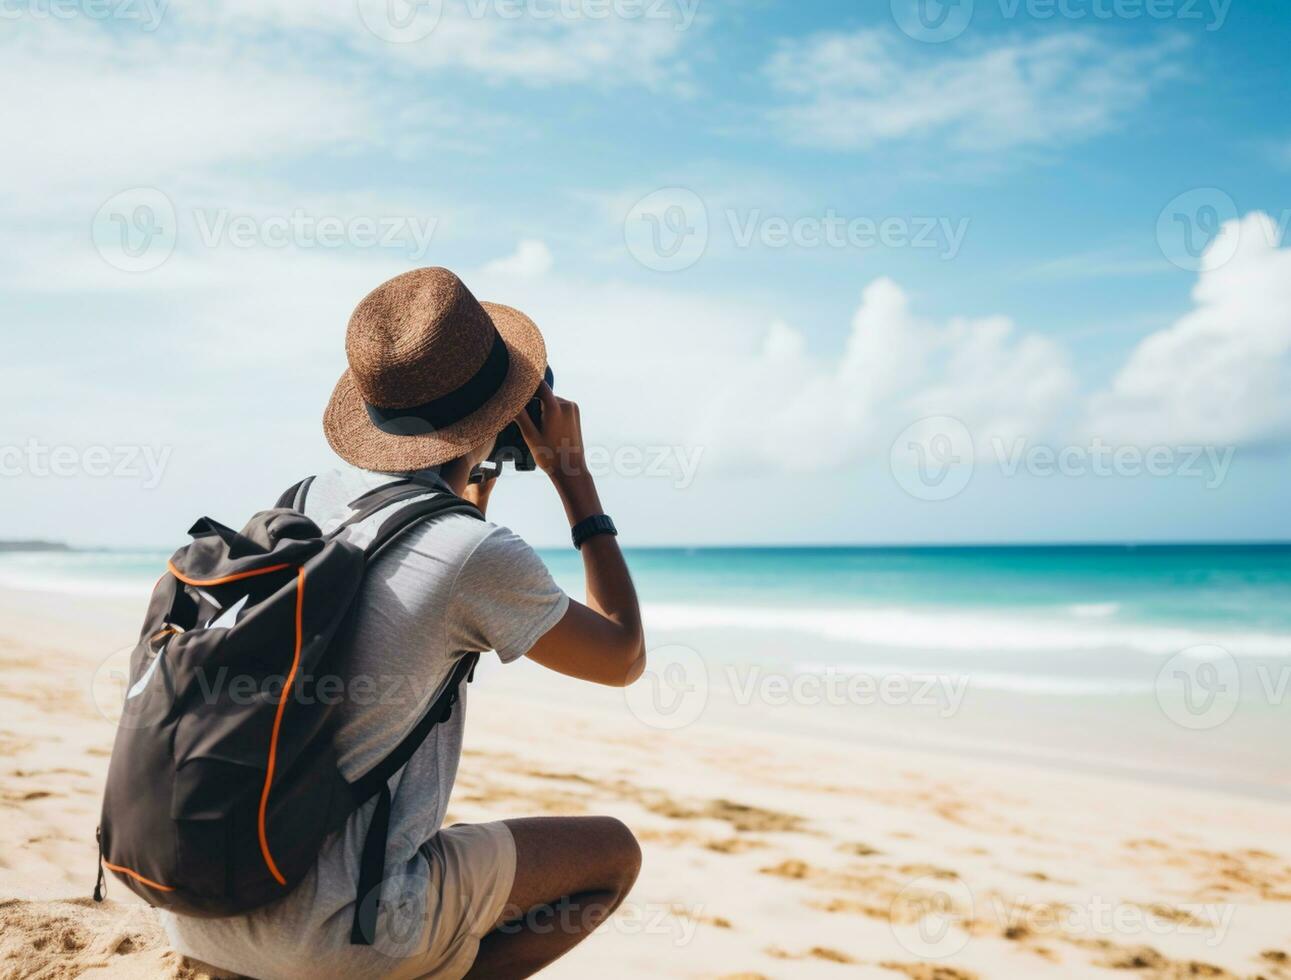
<point x="590" y="527"/>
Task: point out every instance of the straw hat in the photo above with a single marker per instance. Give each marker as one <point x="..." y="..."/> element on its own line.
<point x="433" y="373"/>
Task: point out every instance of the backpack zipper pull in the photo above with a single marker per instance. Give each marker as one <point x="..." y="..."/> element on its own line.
<point x="100" y="884"/>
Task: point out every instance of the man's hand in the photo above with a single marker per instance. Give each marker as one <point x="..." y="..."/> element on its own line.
<point x="601" y="641"/>
<point x="558" y="450"/>
<point x="558" y="446"/>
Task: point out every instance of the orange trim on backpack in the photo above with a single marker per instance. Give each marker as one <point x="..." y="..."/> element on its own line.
<point x="137" y="877"/>
<point x="282" y="703"/>
<point x="227" y="578"/>
<point x="277" y="724"/>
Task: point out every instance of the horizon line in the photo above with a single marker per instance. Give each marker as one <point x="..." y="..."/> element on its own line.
<point x="64" y="548"/>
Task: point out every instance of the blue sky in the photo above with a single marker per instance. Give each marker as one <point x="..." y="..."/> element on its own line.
<point x="1006" y="283"/>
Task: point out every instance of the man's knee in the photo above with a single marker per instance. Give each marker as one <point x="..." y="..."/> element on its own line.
<point x="622" y="852"/>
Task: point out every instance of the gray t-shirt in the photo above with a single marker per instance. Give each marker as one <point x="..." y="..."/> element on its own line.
<point x="452" y="586"/>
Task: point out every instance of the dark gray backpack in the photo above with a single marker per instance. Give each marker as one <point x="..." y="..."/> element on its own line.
<point x="223" y="782"/>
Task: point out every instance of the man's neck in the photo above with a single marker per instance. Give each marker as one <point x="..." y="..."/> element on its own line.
<point x="456" y="474"/>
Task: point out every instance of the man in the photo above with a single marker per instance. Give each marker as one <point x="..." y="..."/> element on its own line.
<point x="434" y="377"/>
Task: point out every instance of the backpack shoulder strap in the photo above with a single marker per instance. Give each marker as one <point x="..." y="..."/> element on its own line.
<point x="381" y="497"/>
<point x="380" y="491"/>
<point x="420" y="512"/>
<point x="361" y="508"/>
<point x="439" y="711"/>
<point x="294" y="496"/>
<point x="375" y="783"/>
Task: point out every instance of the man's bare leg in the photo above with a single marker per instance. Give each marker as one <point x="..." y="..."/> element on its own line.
<point x="571" y="874"/>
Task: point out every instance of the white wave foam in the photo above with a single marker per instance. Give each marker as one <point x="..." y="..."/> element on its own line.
<point x="78" y="585"/>
<point x="965" y="632"/>
<point x="981" y="680"/>
<point x="1094" y="610"/>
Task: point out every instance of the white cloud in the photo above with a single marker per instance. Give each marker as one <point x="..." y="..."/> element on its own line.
<point x="235" y="237"/>
<point x="661" y="366"/>
<point x="788" y="407"/>
<point x="220" y="85"/>
<point x="674" y="370"/>
<point x="1221" y="374"/>
<point x="536" y="42"/>
<point x="852" y="91"/>
<point x="99" y="113"/>
<point x="640" y="359"/>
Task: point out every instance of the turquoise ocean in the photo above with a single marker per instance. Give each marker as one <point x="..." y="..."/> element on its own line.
<point x="1168" y="662"/>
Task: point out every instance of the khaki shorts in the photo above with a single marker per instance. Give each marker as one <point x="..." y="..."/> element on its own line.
<point x="431" y="923"/>
<point x="472" y="868"/>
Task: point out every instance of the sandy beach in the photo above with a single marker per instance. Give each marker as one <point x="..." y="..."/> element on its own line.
<point x="767" y="854"/>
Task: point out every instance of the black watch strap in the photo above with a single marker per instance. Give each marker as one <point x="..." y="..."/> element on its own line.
<point x="590" y="527"/>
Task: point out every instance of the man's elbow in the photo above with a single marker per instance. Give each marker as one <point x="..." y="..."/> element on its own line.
<point x="636" y="669"/>
<point x="636" y="657"/>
